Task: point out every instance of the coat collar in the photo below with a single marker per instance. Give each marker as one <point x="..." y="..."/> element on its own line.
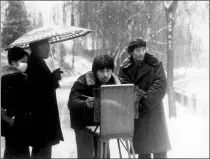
<point x="143" y="70"/>
<point x="148" y="59"/>
<point x="148" y="63"/>
<point x="144" y="67"/>
<point x="8" y="69"/>
<point x="91" y="80"/>
<point x="39" y="63"/>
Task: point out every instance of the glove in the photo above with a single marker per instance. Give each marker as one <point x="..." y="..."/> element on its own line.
<point x="57" y="74"/>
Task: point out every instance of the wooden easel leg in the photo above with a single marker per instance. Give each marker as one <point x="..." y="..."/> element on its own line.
<point x="98" y="150"/>
<point x="106" y="148"/>
<point x="129" y="155"/>
<point x="132" y="148"/>
<point x="118" y="142"/>
<point x="123" y="144"/>
<point x="101" y="151"/>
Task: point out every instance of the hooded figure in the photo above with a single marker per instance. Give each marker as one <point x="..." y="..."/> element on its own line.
<point x="81" y="103"/>
<point x="15" y="108"/>
<point x="146" y="72"/>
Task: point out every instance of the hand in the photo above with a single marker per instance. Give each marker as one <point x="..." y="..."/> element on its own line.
<point x="138" y="94"/>
<point x="12" y="121"/>
<point x="90" y="102"/>
<point x="57" y="74"/>
<point x="8" y="120"/>
<point x="3" y="112"/>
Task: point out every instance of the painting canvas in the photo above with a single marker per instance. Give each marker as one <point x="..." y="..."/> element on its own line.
<point x="117" y="110"/>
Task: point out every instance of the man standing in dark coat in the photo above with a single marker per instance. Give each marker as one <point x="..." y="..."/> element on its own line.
<point x="81" y="103"/>
<point x="146" y="72"/>
<point x="45" y="126"/>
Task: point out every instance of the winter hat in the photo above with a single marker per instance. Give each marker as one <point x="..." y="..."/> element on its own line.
<point x="137" y="42"/>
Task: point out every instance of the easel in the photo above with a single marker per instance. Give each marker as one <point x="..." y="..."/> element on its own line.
<point x="116" y="118"/>
<point x="102" y="149"/>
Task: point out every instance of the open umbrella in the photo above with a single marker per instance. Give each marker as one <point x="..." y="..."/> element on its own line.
<point x="55" y="33"/>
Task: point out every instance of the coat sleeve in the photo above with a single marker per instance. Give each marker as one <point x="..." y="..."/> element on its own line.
<point x="76" y="103"/>
<point x="157" y="90"/>
<point x="54" y="84"/>
<point x="123" y="77"/>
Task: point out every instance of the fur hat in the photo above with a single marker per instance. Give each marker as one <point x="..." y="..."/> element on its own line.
<point x="137" y="42"/>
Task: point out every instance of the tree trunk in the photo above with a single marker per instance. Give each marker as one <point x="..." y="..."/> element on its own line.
<point x="72" y="24"/>
<point x="170" y="7"/>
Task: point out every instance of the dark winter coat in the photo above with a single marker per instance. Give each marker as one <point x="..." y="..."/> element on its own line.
<point x="150" y="129"/>
<point x="77" y="105"/>
<point x="14" y="95"/>
<point x="45" y="125"/>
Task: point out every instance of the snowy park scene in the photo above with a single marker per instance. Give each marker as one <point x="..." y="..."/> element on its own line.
<point x="175" y="33"/>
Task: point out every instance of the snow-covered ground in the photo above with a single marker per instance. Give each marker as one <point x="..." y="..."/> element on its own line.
<point x="193" y="80"/>
<point x="189" y="133"/>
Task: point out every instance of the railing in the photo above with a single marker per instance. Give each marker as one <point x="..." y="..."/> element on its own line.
<point x="195" y="104"/>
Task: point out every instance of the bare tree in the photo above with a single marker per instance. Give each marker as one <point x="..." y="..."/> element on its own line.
<point x="170" y="7"/>
<point x="3" y="8"/>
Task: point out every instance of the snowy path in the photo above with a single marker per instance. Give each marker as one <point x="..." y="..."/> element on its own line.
<point x="189" y="133"/>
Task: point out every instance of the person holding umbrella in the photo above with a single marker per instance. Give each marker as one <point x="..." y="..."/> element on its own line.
<point x="45" y="125"/>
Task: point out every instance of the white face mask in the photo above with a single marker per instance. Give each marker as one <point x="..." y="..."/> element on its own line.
<point x="22" y="66"/>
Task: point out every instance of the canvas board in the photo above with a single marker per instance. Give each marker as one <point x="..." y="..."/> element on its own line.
<point x="117" y="110"/>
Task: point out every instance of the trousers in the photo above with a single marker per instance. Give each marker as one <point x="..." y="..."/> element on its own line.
<point x="14" y="150"/>
<point x="44" y="152"/>
<point x="155" y="155"/>
<point x="87" y="144"/>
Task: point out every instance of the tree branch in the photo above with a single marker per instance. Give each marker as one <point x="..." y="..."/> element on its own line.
<point x="101" y="32"/>
<point x="102" y="7"/>
<point x="137" y="2"/>
<point x="133" y="16"/>
<point x="167" y="4"/>
<point x="161" y="29"/>
<point x="154" y="33"/>
<point x="162" y="43"/>
<point x="119" y="52"/>
<point x="156" y="51"/>
<point x="159" y="42"/>
<point x="3" y="3"/>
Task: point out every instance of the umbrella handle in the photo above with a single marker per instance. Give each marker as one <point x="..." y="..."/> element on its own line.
<point x="52" y="57"/>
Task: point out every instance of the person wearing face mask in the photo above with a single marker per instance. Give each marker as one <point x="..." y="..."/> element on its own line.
<point x="45" y="124"/>
<point x="15" y="109"/>
<point x="146" y="72"/>
<point x="81" y="103"/>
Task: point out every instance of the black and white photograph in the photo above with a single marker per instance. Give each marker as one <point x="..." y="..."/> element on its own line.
<point x="104" y="79"/>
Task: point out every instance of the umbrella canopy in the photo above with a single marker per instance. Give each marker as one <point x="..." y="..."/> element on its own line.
<point x="54" y="33"/>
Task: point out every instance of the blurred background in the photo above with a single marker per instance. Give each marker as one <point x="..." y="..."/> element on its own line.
<point x="113" y="25"/>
